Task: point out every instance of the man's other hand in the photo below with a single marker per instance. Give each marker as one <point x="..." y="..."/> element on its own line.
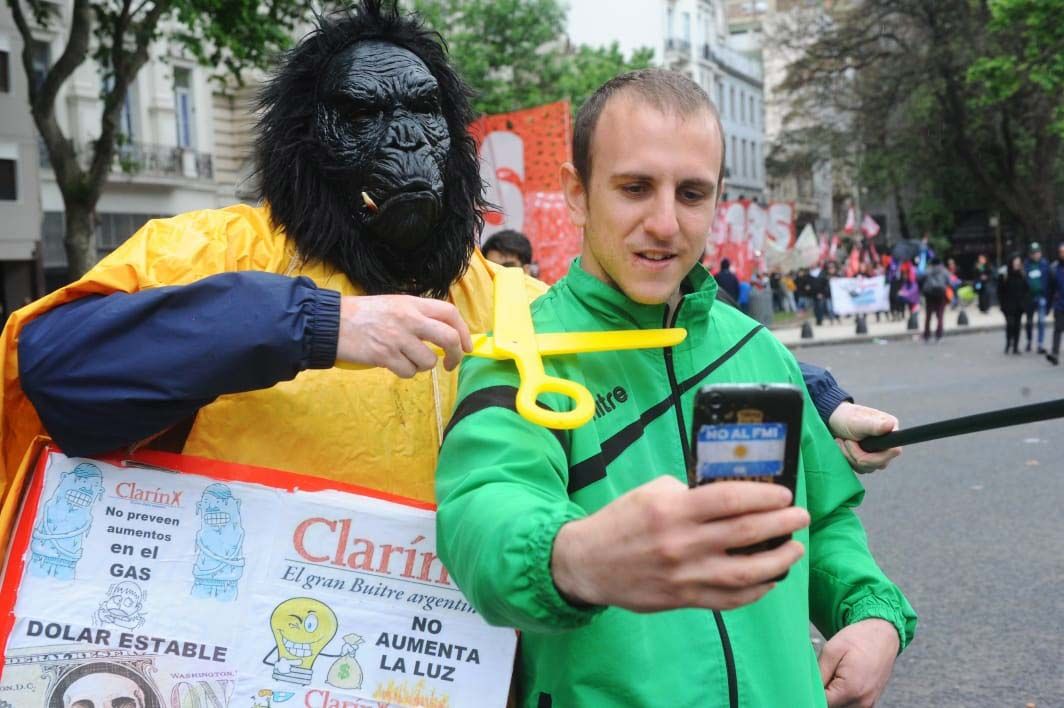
<point x="391" y="330"/>
<point x="850" y="423"/>
<point x="663" y="546"/>
<point x="856" y="663"/>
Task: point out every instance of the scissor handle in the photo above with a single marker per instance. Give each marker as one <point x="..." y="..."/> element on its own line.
<point x="532" y="387"/>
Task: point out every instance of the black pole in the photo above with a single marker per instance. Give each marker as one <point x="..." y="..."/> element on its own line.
<point x="1003" y="418"/>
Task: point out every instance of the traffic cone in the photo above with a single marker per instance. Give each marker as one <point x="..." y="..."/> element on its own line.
<point x="862" y="326"/>
<point x="962" y="319"/>
<point x="914" y="321"/>
<point x="807" y="330"/>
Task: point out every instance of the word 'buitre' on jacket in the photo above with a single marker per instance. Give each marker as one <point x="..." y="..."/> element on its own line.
<point x="505" y="487"/>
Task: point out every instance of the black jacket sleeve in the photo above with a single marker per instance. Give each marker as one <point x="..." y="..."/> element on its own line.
<point x="108" y="371"/>
<point x="823" y="389"/>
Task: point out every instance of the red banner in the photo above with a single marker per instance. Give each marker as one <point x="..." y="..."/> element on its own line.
<point x="751" y="236"/>
<point x="520" y="157"/>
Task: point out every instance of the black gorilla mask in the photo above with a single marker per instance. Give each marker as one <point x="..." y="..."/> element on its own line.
<point x="368" y="103"/>
<point x="381" y="122"/>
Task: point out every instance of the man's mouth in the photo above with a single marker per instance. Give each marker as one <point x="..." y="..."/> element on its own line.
<point x="654" y="257"/>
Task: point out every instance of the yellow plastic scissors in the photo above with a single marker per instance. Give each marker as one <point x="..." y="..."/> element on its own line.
<point x="514" y="338"/>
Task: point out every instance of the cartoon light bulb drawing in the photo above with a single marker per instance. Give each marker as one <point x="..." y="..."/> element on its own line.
<point x="302" y="627"/>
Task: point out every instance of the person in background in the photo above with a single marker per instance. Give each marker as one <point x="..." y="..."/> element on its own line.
<point x="806" y="290"/>
<point x="1012" y="297"/>
<point x="509" y="248"/>
<point x="1037" y="271"/>
<point x="831" y="270"/>
<point x="1056" y="303"/>
<point x="936" y="281"/>
<point x="984" y="277"/>
<point x="727" y="281"/>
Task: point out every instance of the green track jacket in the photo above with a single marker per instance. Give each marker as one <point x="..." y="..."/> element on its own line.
<point x="505" y="487"/>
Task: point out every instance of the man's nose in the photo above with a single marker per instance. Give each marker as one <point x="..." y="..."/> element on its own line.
<point x="661" y="222"/>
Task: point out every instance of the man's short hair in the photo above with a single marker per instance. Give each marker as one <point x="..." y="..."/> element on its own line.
<point x="667" y="91"/>
<point x="511" y="243"/>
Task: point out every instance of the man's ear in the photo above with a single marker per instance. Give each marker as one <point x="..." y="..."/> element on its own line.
<point x="575" y="195"/>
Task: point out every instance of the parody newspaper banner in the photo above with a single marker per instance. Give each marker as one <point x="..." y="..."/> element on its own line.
<point x="226" y="586"/>
<point x="521" y="154"/>
<point x="860" y="295"/>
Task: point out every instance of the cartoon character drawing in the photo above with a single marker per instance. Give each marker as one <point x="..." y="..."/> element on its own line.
<point x="58" y="537"/>
<point x="123" y="606"/>
<point x="271" y="697"/>
<point x="345" y="671"/>
<point x="219" y="545"/>
<point x="301" y="628"/>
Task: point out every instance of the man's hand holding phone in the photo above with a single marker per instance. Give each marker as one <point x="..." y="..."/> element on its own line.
<point x="663" y="546"/>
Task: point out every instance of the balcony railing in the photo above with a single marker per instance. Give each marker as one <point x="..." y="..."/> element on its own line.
<point x="143" y="159"/>
<point x="678" y="46"/>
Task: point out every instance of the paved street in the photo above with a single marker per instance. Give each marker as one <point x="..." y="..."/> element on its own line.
<point x="971" y="527"/>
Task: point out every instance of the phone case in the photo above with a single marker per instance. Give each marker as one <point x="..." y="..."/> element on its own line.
<point x="747" y="432"/>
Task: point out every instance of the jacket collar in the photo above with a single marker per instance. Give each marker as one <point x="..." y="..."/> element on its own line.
<point x="616" y="310"/>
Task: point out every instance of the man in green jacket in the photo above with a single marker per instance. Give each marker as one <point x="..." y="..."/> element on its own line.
<point x="589" y="540"/>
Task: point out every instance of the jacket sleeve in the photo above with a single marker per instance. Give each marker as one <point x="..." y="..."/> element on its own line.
<point x="824" y="390"/>
<point x="845" y="583"/>
<point x="109" y="370"/>
<point x="513" y="494"/>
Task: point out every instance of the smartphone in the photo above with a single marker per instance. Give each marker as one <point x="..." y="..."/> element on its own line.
<point x="747" y="432"/>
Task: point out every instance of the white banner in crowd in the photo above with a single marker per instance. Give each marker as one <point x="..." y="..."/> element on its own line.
<point x="213" y="590"/>
<point x="860" y="295"/>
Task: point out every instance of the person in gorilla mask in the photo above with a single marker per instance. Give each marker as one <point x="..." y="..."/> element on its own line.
<point x="215" y="333"/>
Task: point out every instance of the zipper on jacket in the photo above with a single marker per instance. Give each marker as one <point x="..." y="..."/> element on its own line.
<point x="722" y="630"/>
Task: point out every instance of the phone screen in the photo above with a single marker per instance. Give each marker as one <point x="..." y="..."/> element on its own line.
<point x="740" y="451"/>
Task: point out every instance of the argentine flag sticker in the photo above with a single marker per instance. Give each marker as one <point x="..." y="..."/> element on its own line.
<point x="740" y="450"/>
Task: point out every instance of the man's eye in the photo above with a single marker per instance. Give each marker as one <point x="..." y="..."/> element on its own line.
<point x="691" y="196"/>
<point x="634" y="189"/>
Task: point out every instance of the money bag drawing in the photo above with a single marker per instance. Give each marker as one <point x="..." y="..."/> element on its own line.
<point x="301" y="628"/>
<point x="56" y="546"/>
<point x="345" y="671"/>
<point x="219" y="545"/>
<point x="123" y="606"/>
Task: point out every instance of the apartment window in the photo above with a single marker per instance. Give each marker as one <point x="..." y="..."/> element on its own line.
<point x="668" y="23"/>
<point x="720" y="96"/>
<point x="735" y="154"/>
<point x="731" y="103"/>
<point x="8" y="180"/>
<point x="687" y="26"/>
<point x="41" y="60"/>
<point x="185" y="108"/>
<point x="742" y="107"/>
<point x="753" y="121"/>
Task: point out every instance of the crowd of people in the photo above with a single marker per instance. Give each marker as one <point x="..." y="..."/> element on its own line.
<point x="1029" y="290"/>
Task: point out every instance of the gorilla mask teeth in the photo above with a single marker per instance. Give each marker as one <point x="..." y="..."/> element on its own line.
<point x="370" y="204"/>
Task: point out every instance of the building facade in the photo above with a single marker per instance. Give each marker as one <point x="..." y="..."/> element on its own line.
<point x="20" y="200"/>
<point x="691" y="36"/>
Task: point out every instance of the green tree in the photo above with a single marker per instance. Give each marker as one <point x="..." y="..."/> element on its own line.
<point x="117" y="35"/>
<point x="938" y="107"/>
<point x="514" y="53"/>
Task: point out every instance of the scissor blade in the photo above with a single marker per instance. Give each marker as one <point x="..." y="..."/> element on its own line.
<point x="579" y="342"/>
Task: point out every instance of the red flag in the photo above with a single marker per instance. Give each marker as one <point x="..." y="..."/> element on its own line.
<point x="851" y="221"/>
<point x="869" y="226"/>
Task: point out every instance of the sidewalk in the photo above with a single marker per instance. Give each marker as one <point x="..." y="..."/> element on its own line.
<point x="845" y="332"/>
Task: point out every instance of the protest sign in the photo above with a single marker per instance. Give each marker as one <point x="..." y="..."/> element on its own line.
<point x="195" y="583"/>
<point x="859" y="295"/>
